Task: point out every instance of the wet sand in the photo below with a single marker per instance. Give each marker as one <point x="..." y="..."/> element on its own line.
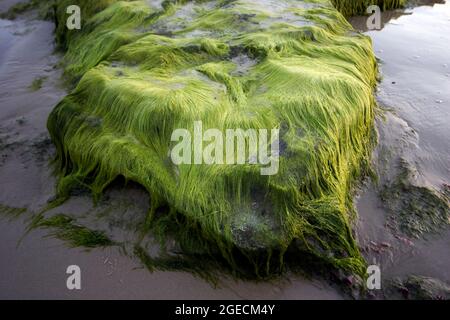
<point x="413" y="48"/>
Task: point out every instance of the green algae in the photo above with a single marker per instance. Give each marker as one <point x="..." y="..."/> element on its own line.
<point x="142" y="71"/>
<point x="17" y="9"/>
<point x="43" y="8"/>
<point x="11" y="213"/>
<point x="37" y="83"/>
<point x="415" y="210"/>
<point x="66" y="229"/>
<point x="60" y="226"/>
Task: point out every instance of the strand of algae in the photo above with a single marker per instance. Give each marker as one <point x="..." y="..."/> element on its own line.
<point x="61" y="226"/>
<point x="146" y="70"/>
<point x="64" y="228"/>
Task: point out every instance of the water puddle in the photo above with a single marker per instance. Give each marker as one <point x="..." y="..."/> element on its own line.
<point x="414" y="52"/>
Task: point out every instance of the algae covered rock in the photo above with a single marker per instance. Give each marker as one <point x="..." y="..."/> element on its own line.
<point x="144" y="69"/>
<point x="415" y="210"/>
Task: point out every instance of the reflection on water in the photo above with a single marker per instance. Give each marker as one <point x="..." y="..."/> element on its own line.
<point x="360" y="22"/>
<point x="415" y="64"/>
<point x="6" y="37"/>
<point x="414" y="52"/>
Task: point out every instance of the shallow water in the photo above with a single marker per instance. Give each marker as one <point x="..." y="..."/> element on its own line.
<point x="415" y="61"/>
<point x="414" y="50"/>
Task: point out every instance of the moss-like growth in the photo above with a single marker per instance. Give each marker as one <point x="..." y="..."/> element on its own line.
<point x="415" y="210"/>
<point x="294" y="65"/>
<point x="37" y="83"/>
<point x="19" y="8"/>
<point x="44" y="9"/>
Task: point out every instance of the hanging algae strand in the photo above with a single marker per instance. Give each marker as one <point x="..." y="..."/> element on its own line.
<point x="143" y="69"/>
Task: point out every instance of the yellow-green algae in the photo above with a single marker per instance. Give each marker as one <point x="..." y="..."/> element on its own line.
<point x="146" y="68"/>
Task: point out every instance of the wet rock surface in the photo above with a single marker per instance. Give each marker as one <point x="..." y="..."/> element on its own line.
<point x="419" y="288"/>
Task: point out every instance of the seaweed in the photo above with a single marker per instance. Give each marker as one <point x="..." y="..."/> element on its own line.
<point x="135" y="82"/>
<point x="37" y="83"/>
<point x="64" y="228"/>
<point x="415" y="210"/>
<point x="43" y="9"/>
<point x="11" y="213"/>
